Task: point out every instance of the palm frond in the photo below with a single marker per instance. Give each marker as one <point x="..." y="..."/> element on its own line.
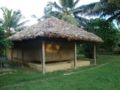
<point x="115" y="16"/>
<point x="70" y="3"/>
<point x="22" y="23"/>
<point x="63" y="3"/>
<point x="82" y="21"/>
<point x="70" y="19"/>
<point x="75" y="3"/>
<point x="1" y="21"/>
<point x="85" y="9"/>
<point x="56" y="6"/>
<point x="56" y="14"/>
<point x="37" y="18"/>
<point x="11" y="19"/>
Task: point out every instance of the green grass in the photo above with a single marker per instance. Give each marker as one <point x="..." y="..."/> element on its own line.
<point x="100" y="77"/>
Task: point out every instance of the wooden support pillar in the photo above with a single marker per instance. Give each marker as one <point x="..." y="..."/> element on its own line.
<point x="94" y="54"/>
<point x="75" y="56"/>
<point x="22" y="57"/>
<point x="11" y="54"/>
<point x="43" y="58"/>
<point x="22" y="54"/>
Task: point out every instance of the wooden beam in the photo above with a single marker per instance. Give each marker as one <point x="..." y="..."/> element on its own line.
<point x="43" y="58"/>
<point x="95" y="54"/>
<point x="75" y="56"/>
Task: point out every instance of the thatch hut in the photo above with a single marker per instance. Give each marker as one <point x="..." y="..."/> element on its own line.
<point x="50" y="41"/>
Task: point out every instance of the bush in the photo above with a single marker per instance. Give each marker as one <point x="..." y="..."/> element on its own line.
<point x="88" y="50"/>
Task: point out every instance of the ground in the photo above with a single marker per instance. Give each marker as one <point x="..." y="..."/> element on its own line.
<point x="104" y="76"/>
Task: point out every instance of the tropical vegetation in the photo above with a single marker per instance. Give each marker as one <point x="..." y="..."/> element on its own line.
<point x="4" y="43"/>
<point x="11" y="21"/>
<point x="106" y="25"/>
<point x="63" y="11"/>
<point x="107" y="31"/>
<point x="108" y="9"/>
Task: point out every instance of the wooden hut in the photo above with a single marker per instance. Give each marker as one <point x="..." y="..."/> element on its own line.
<point x="50" y="41"/>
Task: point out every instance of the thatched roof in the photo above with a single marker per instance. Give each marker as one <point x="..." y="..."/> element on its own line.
<point x="55" y="28"/>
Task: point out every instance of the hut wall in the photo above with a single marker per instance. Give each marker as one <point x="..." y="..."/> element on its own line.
<point x="16" y="52"/>
<point x="26" y="53"/>
<point x="32" y="54"/>
<point x="54" y="51"/>
<point x="64" y="51"/>
<point x="9" y="54"/>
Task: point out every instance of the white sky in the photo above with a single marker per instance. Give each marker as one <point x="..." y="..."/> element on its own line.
<point x="32" y="7"/>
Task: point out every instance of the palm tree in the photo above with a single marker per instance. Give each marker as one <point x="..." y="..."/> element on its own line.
<point x="12" y="20"/>
<point x="105" y="8"/>
<point x="65" y="10"/>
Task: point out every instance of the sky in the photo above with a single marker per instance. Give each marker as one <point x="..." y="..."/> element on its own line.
<point x="32" y="7"/>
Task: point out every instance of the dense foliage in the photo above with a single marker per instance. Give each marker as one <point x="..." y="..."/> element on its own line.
<point x="9" y="23"/>
<point x="11" y="20"/>
<point x="4" y="43"/>
<point x="106" y="31"/>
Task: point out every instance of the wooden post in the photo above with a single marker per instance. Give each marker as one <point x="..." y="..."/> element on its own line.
<point x="22" y="57"/>
<point x="22" y="54"/>
<point x="75" y="56"/>
<point x="43" y="58"/>
<point x="11" y="54"/>
<point x="95" y="54"/>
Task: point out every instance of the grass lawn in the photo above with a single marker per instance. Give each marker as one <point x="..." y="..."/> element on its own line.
<point x="104" y="76"/>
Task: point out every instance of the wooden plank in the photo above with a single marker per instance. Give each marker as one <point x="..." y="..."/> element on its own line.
<point x="43" y="58"/>
<point x="95" y="54"/>
<point x="75" y="56"/>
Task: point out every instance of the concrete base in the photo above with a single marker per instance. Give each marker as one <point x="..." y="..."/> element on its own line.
<point x="50" y="67"/>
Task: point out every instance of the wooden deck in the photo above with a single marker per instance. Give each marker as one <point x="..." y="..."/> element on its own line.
<point x="50" y="67"/>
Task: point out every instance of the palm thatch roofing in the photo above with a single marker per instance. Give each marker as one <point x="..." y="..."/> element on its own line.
<point x="55" y="28"/>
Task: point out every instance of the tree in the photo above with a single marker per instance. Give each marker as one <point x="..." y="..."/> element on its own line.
<point x="107" y="31"/>
<point x="107" y="11"/>
<point x="64" y="11"/>
<point x="110" y="9"/>
<point x="4" y="43"/>
<point x="12" y="20"/>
